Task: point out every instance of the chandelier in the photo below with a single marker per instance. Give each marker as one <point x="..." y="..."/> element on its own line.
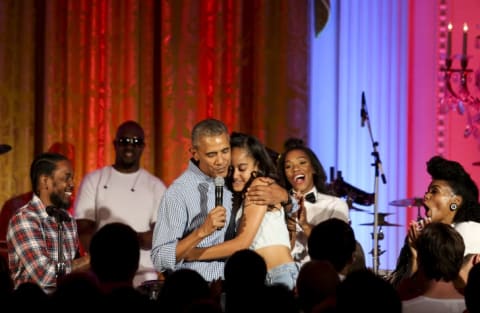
<point x="457" y="96"/>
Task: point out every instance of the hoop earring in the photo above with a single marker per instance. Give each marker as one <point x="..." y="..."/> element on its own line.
<point x="453" y="207"/>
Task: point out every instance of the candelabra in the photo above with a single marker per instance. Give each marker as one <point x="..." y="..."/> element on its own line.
<point x="460" y="99"/>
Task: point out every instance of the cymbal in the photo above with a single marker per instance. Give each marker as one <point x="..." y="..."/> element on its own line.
<point x="343" y="189"/>
<point x="418" y="202"/>
<point x="381" y="220"/>
<point x="351" y="207"/>
<point x="5" y="148"/>
<point x="383" y="223"/>
<point x="381" y="215"/>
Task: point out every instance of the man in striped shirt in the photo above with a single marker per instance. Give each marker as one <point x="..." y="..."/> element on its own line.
<point x="188" y="216"/>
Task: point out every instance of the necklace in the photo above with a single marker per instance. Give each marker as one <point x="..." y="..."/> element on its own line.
<point x="132" y="189"/>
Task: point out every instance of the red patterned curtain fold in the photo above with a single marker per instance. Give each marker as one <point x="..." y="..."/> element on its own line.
<point x="72" y="71"/>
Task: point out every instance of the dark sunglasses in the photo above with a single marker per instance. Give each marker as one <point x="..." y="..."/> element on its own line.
<point x="125" y="141"/>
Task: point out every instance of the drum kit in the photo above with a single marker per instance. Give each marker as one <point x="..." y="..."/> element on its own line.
<point x="353" y="195"/>
<point x="341" y="188"/>
<point x="410" y="203"/>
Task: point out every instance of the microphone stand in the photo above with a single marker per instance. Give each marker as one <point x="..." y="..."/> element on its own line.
<point x="60" y="217"/>
<point x="378" y="172"/>
<point x="61" y="262"/>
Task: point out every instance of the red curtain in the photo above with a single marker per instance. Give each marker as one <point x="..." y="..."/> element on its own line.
<point x="72" y="71"/>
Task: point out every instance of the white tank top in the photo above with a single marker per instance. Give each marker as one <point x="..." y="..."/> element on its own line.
<point x="272" y="231"/>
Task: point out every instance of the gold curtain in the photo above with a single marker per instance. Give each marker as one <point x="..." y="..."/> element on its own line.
<point x="17" y="94"/>
<point x="72" y="71"/>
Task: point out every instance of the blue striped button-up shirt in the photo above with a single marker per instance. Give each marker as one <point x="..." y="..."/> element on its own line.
<point x="183" y="208"/>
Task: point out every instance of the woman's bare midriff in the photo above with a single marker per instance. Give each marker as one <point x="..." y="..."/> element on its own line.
<point x="275" y="255"/>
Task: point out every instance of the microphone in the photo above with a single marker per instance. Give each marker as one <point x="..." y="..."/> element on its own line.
<point x="219" y="182"/>
<point x="60" y="215"/>
<point x="363" y="111"/>
<point x="50" y="210"/>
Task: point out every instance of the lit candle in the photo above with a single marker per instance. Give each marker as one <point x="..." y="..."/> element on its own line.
<point x="449" y="40"/>
<point x="465" y="31"/>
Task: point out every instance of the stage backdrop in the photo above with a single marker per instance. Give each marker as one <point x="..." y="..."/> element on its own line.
<point x="72" y="71"/>
<point x="392" y="51"/>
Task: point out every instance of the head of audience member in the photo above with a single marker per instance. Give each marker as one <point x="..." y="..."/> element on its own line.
<point x="244" y="280"/>
<point x="6" y="281"/>
<point x="244" y="269"/>
<point x="181" y="289"/>
<point x="115" y="255"/>
<point x="129" y="143"/>
<point x="436" y="241"/>
<point x="204" y="306"/>
<point x="358" y="259"/>
<point x="250" y="159"/>
<point x="470" y="232"/>
<point x="51" y="175"/>
<point x="364" y="291"/>
<point x="472" y="300"/>
<point x="277" y="298"/>
<point x="300" y="169"/>
<point x="316" y="285"/>
<point x="339" y="252"/>
<point x="211" y="147"/>
<point x="29" y="297"/>
<point x="452" y="195"/>
<point x="73" y="284"/>
<point x="119" y="299"/>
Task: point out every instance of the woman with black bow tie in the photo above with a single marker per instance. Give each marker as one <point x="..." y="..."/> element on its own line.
<point x="302" y="173"/>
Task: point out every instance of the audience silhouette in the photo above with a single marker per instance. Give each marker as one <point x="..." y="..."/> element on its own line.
<point x="181" y="290"/>
<point x="245" y="273"/>
<point x="340" y="252"/>
<point x="316" y="285"/>
<point x="472" y="301"/>
<point x="364" y="291"/>
<point x="114" y="259"/>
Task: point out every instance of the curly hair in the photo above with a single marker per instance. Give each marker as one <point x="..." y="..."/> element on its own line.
<point x="319" y="174"/>
<point x="461" y="184"/>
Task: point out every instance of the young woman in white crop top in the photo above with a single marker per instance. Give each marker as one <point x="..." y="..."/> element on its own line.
<point x="258" y="227"/>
